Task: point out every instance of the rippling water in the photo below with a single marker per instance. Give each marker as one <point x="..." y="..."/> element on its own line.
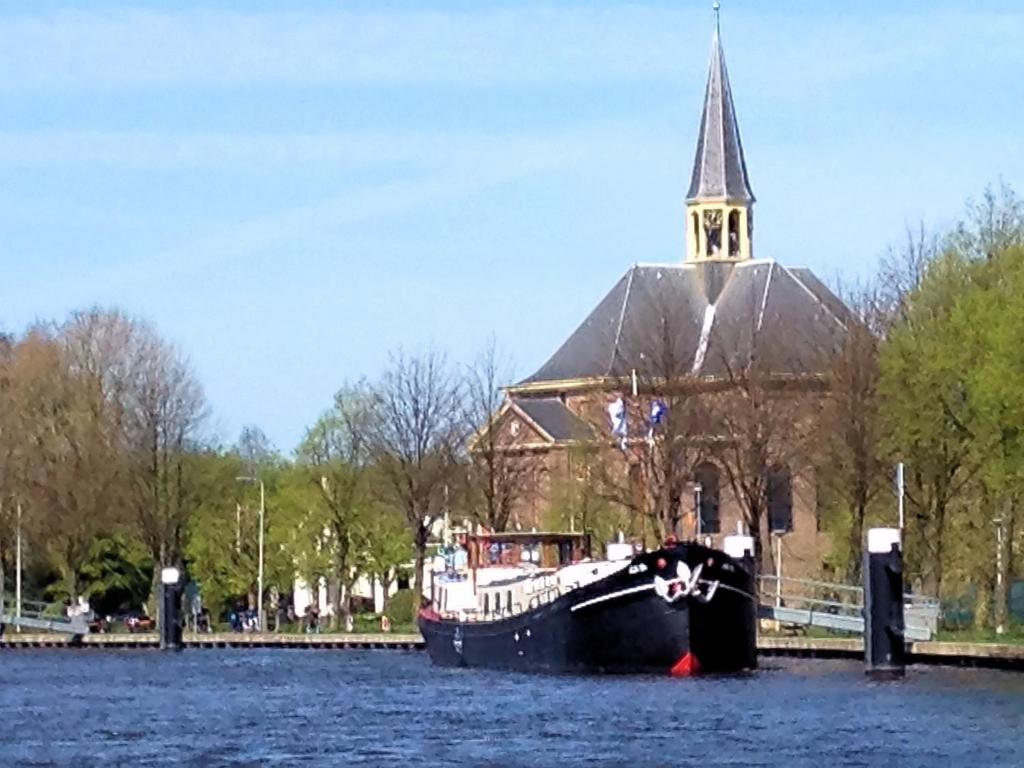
<point x="242" y="708"/>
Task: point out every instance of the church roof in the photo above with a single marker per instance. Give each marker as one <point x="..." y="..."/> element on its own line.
<point x="703" y="319"/>
<point x="719" y="168"/>
<point x="552" y="416"/>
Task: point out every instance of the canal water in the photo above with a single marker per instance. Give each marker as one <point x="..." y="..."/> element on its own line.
<point x="383" y="708"/>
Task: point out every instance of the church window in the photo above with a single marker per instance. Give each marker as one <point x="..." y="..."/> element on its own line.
<point x="707" y="478"/>
<point x="713" y="231"/>
<point x="734" y="233"/>
<point x="780" y="499"/>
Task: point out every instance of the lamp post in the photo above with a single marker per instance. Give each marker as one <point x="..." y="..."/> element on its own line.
<point x="697" y="490"/>
<point x="259" y="572"/>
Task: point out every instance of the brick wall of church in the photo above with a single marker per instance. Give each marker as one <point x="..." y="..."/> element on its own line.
<point x="803" y="548"/>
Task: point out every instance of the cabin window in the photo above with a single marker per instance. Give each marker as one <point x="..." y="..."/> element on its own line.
<point x="508" y="601"/>
<point x="780" y="499"/>
<point x="706" y="477"/>
<point x="487" y="603"/>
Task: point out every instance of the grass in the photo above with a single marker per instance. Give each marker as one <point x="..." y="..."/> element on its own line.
<point x="1014" y="635"/>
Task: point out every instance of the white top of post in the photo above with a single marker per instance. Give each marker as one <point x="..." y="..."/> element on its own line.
<point x="881" y="540"/>
<point x="737" y="546"/>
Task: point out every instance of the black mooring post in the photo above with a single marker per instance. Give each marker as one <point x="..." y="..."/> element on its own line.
<point x="884" y="645"/>
<point x="169" y="616"/>
<point x="741" y="549"/>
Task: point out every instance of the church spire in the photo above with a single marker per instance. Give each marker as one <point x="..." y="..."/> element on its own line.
<point x="720" y="200"/>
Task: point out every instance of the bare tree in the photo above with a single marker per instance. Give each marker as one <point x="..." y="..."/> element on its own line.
<point x="154" y="410"/>
<point x="901" y="271"/>
<point x="851" y="464"/>
<point x="500" y="475"/>
<point x="993" y="225"/>
<point x="416" y="441"/>
<point x="651" y="472"/>
<point x="167" y="410"/>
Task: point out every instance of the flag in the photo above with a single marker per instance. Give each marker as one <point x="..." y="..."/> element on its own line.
<point x="618" y="418"/>
<point x="658" y="412"/>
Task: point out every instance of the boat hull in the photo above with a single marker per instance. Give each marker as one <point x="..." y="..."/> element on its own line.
<point x="619" y="624"/>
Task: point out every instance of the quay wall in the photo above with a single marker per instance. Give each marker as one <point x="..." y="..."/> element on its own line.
<point x="990" y="655"/>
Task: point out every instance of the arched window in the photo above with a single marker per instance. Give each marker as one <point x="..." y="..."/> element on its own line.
<point x="707" y="478"/>
<point x="780" y="499"/>
<point x="696" y="234"/>
<point x="734" y="233"/>
<point x="713" y="231"/>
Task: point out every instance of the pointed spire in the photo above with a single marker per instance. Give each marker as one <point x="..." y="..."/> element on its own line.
<point x="719" y="168"/>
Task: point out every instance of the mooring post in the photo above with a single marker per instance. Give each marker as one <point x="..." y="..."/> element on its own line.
<point x="884" y="645"/>
<point x="741" y="549"/>
<point x="169" y="616"/>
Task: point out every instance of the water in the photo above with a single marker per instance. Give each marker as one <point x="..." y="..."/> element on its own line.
<point x="370" y="708"/>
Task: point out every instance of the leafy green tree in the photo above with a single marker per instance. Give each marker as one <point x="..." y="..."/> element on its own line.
<point x="924" y="369"/>
<point x="335" y="456"/>
<point x="117" y="574"/>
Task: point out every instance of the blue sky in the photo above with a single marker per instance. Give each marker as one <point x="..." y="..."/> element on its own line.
<point x="289" y="195"/>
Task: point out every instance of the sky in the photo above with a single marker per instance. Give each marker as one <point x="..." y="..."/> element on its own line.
<point x="289" y="195"/>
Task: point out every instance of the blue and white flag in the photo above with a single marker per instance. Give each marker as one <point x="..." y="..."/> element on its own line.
<point x="658" y="413"/>
<point x="617" y="415"/>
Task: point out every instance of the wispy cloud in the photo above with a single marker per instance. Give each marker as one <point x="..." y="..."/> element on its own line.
<point x="223" y="48"/>
<point x="478" y="165"/>
<point x="523" y="43"/>
<point x="188" y="150"/>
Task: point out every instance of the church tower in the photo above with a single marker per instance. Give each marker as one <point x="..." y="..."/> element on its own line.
<point x="720" y="204"/>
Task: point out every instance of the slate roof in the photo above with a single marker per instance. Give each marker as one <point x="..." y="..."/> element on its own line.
<point x="551" y="415"/>
<point x="703" y="319"/>
<point x="719" y="168"/>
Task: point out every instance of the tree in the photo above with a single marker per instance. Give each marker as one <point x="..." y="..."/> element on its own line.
<point x="923" y="365"/>
<point x="763" y="425"/>
<point x="336" y="456"/>
<point x="166" y="411"/>
<point x="498" y="477"/>
<point x="669" y="437"/>
<point x="415" y="441"/>
<point x="948" y="368"/>
<point x="116" y="575"/>
<point x="68" y="462"/>
<point x="220" y="543"/>
<point x="386" y="546"/>
<point x="851" y="465"/>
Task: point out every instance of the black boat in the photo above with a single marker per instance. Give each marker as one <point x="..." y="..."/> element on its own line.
<point x="537" y="602"/>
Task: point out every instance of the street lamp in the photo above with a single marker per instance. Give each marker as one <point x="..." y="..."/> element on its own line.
<point x="697" y="489"/>
<point x="259" y="572"/>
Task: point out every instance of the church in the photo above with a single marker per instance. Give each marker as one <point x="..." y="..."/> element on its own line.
<point x="688" y="336"/>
